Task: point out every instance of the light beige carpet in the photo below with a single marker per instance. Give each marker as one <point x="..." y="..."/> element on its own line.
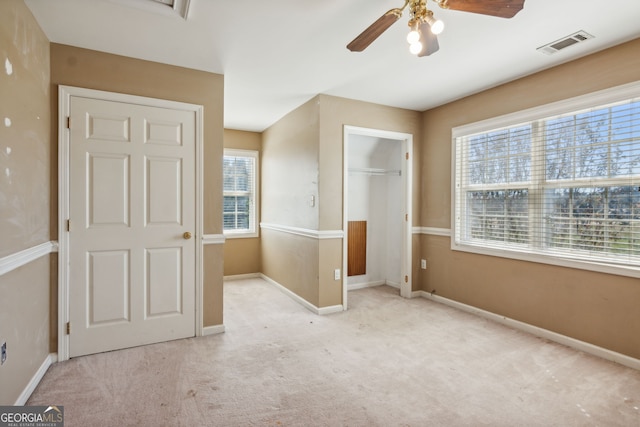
<point x="387" y="361"/>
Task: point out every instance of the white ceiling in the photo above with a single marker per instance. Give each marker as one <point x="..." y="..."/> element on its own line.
<point x="277" y="54"/>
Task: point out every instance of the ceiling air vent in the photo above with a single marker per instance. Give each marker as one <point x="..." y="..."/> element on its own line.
<point x="567" y="41"/>
<point x="162" y="7"/>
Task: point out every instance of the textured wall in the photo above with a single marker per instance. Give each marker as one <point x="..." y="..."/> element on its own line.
<point x="24" y="130"/>
<point x="25" y="150"/>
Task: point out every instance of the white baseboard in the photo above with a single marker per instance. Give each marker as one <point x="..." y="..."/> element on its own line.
<point x="212" y="330"/>
<point x="393" y="284"/>
<point x="539" y="332"/>
<point x="241" y="277"/>
<point x="355" y="286"/>
<point x="363" y="285"/>
<point x="35" y="380"/>
<point x="330" y="310"/>
<point x="303" y="302"/>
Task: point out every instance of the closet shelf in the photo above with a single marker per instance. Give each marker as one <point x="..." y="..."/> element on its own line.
<point x="373" y="171"/>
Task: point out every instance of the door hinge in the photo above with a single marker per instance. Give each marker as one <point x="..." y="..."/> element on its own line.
<point x="68" y="328"/>
<point x="68" y="225"/>
<point x="68" y="122"/>
<point x="406" y="217"/>
<point x="406" y="155"/>
<point x="406" y="279"/>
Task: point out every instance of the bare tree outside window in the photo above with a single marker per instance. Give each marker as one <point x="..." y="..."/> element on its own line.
<point x="569" y="184"/>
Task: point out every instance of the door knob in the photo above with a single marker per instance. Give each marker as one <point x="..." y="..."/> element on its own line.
<point x="186" y="235"/>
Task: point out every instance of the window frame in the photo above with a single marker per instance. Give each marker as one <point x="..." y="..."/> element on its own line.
<point x="572" y="105"/>
<point x="252" y="231"/>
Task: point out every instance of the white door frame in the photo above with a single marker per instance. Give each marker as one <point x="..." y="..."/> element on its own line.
<point x="407" y="179"/>
<point x="64" y="101"/>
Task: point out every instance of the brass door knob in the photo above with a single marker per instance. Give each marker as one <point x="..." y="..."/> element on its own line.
<point x="186" y="235"/>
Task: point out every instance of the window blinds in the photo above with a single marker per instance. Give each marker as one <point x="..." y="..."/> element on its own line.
<point x="565" y="185"/>
<point x="238" y="191"/>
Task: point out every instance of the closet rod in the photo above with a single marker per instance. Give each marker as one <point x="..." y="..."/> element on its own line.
<point x="373" y="171"/>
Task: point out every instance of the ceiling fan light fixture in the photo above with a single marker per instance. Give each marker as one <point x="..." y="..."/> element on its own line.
<point x="415" y="48"/>
<point x="437" y="26"/>
<point x="414" y="34"/>
<point x="424" y="26"/>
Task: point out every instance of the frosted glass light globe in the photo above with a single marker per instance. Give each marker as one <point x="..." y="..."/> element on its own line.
<point x="415" y="48"/>
<point x="437" y="27"/>
<point x="413" y="36"/>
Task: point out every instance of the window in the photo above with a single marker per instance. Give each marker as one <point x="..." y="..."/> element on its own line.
<point x="557" y="186"/>
<point x="240" y="175"/>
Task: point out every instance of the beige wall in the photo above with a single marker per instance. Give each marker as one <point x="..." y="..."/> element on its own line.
<point x="25" y="169"/>
<point x="339" y="112"/>
<point x="25" y="150"/>
<point x="242" y="255"/>
<point x="303" y="156"/>
<point x="597" y="308"/>
<point x="289" y="178"/>
<point x="290" y="168"/>
<point x="73" y="66"/>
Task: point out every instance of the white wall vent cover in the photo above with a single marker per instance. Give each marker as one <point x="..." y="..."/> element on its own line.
<point x="564" y="42"/>
<point x="162" y="7"/>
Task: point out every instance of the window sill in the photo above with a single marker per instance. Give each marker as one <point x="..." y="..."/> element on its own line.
<point x="241" y="235"/>
<point x="601" y="267"/>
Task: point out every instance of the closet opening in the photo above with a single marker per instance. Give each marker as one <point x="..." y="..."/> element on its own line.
<point x="377" y="210"/>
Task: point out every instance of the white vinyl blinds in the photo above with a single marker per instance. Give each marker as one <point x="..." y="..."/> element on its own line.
<point x="565" y="185"/>
<point x="239" y="191"/>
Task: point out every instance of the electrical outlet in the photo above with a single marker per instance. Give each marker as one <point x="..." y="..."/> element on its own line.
<point x="3" y="350"/>
<point x="336" y="274"/>
<point x="423" y="264"/>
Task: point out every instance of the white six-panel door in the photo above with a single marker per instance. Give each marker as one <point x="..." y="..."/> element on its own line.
<point x="132" y="218"/>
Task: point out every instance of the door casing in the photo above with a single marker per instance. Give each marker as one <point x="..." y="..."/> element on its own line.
<point x="406" y="140"/>
<point x="64" y="100"/>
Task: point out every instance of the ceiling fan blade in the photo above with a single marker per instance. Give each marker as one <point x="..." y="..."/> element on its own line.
<point x="374" y="30"/>
<point x="428" y="39"/>
<point x="499" y="8"/>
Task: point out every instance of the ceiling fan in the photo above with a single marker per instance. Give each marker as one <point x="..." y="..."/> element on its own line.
<point x="424" y="27"/>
